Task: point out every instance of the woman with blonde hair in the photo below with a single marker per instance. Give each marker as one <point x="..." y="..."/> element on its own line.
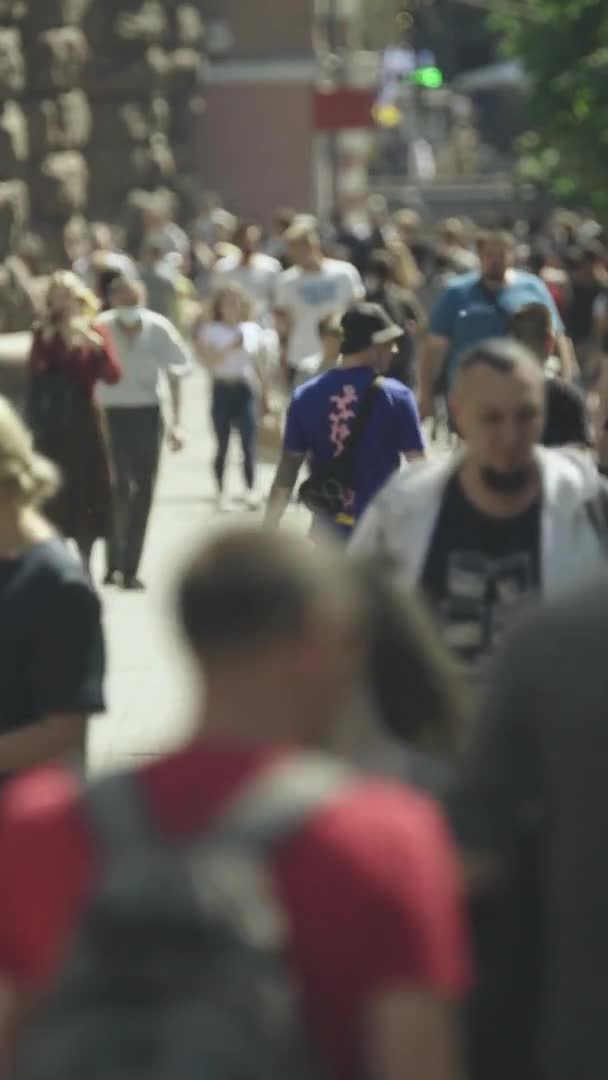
<point x="69" y="356"/>
<point x="232" y="347"/>
<point x="51" y="644"/>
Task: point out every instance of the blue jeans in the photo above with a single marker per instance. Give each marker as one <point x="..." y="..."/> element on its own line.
<point x="233" y="406"/>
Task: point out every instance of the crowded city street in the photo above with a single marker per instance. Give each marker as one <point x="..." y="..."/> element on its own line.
<point x="303" y="540"/>
<point x="150" y="694"/>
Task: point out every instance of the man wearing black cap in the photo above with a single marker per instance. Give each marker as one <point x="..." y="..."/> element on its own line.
<point x="322" y="420"/>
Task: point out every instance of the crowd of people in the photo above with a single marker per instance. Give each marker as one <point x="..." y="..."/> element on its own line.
<point x="381" y="854"/>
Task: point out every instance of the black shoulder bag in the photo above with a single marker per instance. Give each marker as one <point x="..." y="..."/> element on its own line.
<point x="325" y="490"/>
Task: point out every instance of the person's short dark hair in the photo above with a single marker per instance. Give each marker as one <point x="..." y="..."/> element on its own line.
<point x="330" y="326"/>
<point x="502" y="355"/>
<point x="585" y="254"/>
<point x="381" y="264"/>
<point x="126" y="281"/>
<point x="247" y="588"/>
<point x="532" y="326"/>
<point x="539" y="255"/>
<point x="243" y="227"/>
<point x="495" y="236"/>
<point x="105" y="281"/>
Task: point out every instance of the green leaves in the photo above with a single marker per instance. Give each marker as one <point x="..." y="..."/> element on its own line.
<point x="564" y="47"/>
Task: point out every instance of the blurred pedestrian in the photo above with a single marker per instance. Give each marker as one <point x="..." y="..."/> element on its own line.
<point x="531" y="814"/>
<point x="453" y="242"/>
<point x="278" y="633"/>
<point x="159" y="229"/>
<point x="254" y="271"/>
<point x="232" y="346"/>
<point x="158" y="276"/>
<point x="152" y="354"/>
<point x="102" y="254"/>
<point x="70" y="356"/>
<point x="352" y="424"/>
<point x="566" y="420"/>
<point x="276" y="244"/>
<point x="51" y="643"/>
<point x="330" y="336"/>
<point x="408" y="662"/>
<point x="403" y="307"/>
<point x="312" y="288"/>
<point x="487" y="532"/>
<point x="587" y="282"/>
<point x="478" y="306"/>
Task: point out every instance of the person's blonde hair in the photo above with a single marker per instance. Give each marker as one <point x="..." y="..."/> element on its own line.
<point x="26" y="477"/>
<point x="302" y="229"/>
<point x="237" y="292"/>
<point x="66" y="279"/>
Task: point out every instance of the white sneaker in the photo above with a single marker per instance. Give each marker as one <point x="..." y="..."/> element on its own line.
<point x="253" y="500"/>
<point x="222" y="502"/>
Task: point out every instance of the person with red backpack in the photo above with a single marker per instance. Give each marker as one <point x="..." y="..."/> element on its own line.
<point x="247" y="906"/>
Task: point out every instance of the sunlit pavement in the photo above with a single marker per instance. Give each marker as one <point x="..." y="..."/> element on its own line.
<point x="150" y="685"/>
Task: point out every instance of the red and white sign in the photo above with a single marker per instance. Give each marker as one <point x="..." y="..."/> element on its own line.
<point x="343" y="109"/>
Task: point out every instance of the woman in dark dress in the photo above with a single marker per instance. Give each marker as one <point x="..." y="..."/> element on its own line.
<point x="51" y="643"/>
<point x="68" y="357"/>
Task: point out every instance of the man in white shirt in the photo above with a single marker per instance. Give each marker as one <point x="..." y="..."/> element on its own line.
<point x="313" y="288"/>
<point x="255" y="272"/>
<point x="152" y="354"/>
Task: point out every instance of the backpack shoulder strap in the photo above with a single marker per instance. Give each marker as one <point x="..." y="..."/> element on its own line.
<point x="116" y="808"/>
<point x="278" y="802"/>
<point x="272" y="806"/>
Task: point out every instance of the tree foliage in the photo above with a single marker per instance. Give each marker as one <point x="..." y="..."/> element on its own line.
<point x="564" y="46"/>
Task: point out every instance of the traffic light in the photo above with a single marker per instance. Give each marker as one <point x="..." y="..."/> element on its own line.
<point x="431" y="78"/>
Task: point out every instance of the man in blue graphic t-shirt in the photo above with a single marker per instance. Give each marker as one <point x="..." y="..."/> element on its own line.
<point x="322" y="413"/>
<point x="478" y="306"/>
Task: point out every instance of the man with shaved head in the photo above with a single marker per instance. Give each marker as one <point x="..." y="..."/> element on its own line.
<point x="504" y="521"/>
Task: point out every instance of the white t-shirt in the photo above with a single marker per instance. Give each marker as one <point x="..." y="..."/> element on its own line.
<point x="309" y="297"/>
<point x="239" y="364"/>
<point x="258" y="278"/>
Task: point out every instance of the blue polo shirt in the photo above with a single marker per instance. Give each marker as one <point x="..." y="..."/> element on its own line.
<point x="468" y="312"/>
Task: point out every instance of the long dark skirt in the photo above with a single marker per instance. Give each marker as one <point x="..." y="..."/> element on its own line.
<point x="82" y="510"/>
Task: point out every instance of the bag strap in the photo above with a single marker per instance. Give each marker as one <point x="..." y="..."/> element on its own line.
<point x="358" y="429"/>
<point x="274" y="805"/>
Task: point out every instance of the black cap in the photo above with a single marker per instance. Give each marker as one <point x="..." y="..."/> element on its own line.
<point x="364" y="325"/>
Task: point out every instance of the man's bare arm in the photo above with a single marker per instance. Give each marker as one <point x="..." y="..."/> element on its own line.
<point x="432" y="360"/>
<point x="412" y="1033"/>
<point x="56" y="736"/>
<point x="282" y="487"/>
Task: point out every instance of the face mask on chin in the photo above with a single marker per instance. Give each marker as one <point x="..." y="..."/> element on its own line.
<point x="506" y="483"/>
<point x="129" y="316"/>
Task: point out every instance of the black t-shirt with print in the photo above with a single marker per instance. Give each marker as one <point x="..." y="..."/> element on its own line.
<point x="51" y="642"/>
<point x="479" y="572"/>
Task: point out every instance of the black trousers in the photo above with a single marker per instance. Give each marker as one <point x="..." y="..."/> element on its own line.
<point x="136" y="441"/>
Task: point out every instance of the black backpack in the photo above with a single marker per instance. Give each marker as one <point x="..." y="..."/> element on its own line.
<point x="178" y="969"/>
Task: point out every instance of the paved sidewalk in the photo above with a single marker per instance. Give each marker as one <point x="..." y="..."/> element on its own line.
<point x="150" y="681"/>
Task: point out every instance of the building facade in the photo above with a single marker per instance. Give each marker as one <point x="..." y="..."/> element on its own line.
<point x="273" y="68"/>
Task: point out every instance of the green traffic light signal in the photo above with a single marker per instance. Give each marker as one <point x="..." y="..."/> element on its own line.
<point x="431" y="78"/>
